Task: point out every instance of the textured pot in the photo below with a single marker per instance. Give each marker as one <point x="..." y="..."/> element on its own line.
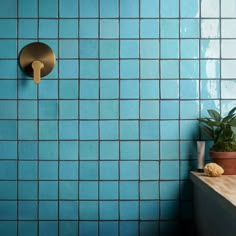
<point x="227" y="160"/>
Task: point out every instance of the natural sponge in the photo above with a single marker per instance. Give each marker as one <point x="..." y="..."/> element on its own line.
<point x="213" y="170"/>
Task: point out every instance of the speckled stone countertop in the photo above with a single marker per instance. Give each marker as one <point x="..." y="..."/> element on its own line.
<point x="224" y="185"/>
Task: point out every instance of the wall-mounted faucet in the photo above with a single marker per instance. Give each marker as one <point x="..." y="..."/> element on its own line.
<point x="37" y="60"/>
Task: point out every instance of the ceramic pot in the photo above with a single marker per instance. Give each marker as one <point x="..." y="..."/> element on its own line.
<point x="227" y="160"/>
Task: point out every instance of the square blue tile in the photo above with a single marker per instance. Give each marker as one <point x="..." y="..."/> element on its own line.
<point x="87" y="228"/>
<point x="48" y="190"/>
<point x="48" y="28"/>
<point x="48" y="227"/>
<point x="68" y="89"/>
<point x="88" y="48"/>
<point x="68" y="28"/>
<point x="88" y="130"/>
<point x="68" y="150"/>
<point x="89" y="89"/>
<point x="27" y="170"/>
<point x="88" y="8"/>
<point x="189" y="69"/>
<point x="149" y="170"/>
<point x="10" y="69"/>
<point x="149" y="130"/>
<point x="189" y="129"/>
<point x="169" y="170"/>
<point x="129" y="210"/>
<point x="48" y="210"/>
<point x="166" y="73"/>
<point x="68" y="130"/>
<point x="68" y="190"/>
<point x="109" y="150"/>
<point x="173" y="89"/>
<point x="9" y="210"/>
<point x="129" y="228"/>
<point x="8" y="49"/>
<point x="210" y="48"/>
<point x="27" y="228"/>
<point x="169" y="190"/>
<point x="189" y="28"/>
<point x="8" y="110"/>
<point x="109" y="69"/>
<point x="149" y="28"/>
<point x="43" y="89"/>
<point x="166" y="11"/>
<point x="106" y="227"/>
<point x="88" y="190"/>
<point x="27" y="150"/>
<point x="169" y="130"/>
<point x="109" y="109"/>
<point x="129" y="109"/>
<point x="8" y="27"/>
<point x="88" y="150"/>
<point x="152" y="227"/>
<point x="129" y="89"/>
<point x="149" y="109"/>
<point x="88" y="210"/>
<point x="129" y="190"/>
<point x="190" y="10"/>
<point x="88" y="28"/>
<point x="48" y="109"/>
<point x="129" y="69"/>
<point x="169" y="28"/>
<point x="133" y="128"/>
<point x="109" y="10"/>
<point x="149" y="48"/>
<point x="189" y="109"/>
<point x="207" y="72"/>
<point x="69" y="70"/>
<point x="48" y="170"/>
<point x="89" y="69"/>
<point x="149" y="12"/>
<point x="68" y="170"/>
<point x="129" y="170"/>
<point x="27" y="210"/>
<point x="108" y="190"/>
<point x="109" y="28"/>
<point x="48" y="130"/>
<point x="129" y="150"/>
<point x="169" y="150"/>
<point x="8" y="130"/>
<point x="26" y="10"/>
<point x="48" y="9"/>
<point x="189" y="48"/>
<point x="68" y="109"/>
<point x="129" y="28"/>
<point x="68" y="12"/>
<point x="210" y="89"/>
<point x="68" y="210"/>
<point x="109" y="49"/>
<point x="129" y="48"/>
<point x="149" y="69"/>
<point x="68" y="228"/>
<point x="109" y="89"/>
<point x="189" y="89"/>
<point x="26" y="89"/>
<point x="68" y="48"/>
<point x="149" y="210"/>
<point x="9" y="190"/>
<point x="88" y="109"/>
<point x="149" y="190"/>
<point x="27" y="130"/>
<point x="4" y="12"/>
<point x="129" y="8"/>
<point x="169" y="210"/>
<point x="88" y="170"/>
<point x="149" y="150"/>
<point x="8" y="89"/>
<point x="109" y="210"/>
<point x="149" y="89"/>
<point x="186" y="167"/>
<point x="169" y="109"/>
<point x="169" y="48"/>
<point x="109" y="170"/>
<point x="27" y="109"/>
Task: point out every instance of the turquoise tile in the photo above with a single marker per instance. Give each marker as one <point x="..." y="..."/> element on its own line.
<point x="129" y="170"/>
<point x="149" y="170"/>
<point x="169" y="109"/>
<point x="169" y="48"/>
<point x="68" y="130"/>
<point x="68" y="210"/>
<point x="8" y="110"/>
<point x="149" y="28"/>
<point x="167" y="11"/>
<point x="108" y="190"/>
<point x="149" y="210"/>
<point x="189" y="69"/>
<point x="189" y="109"/>
<point x="68" y="10"/>
<point x="129" y="48"/>
<point x="169" y="150"/>
<point x="108" y="130"/>
<point x="169" y="210"/>
<point x="129" y="109"/>
<point x="189" y="89"/>
<point x="48" y="28"/>
<point x="108" y="170"/>
<point x="48" y="190"/>
<point x="129" y="190"/>
<point x="48" y="150"/>
<point x="27" y="170"/>
<point x="105" y="227"/>
<point x="68" y="109"/>
<point x="109" y="89"/>
<point x="109" y="9"/>
<point x="88" y="170"/>
<point x="149" y="69"/>
<point x="129" y="210"/>
<point x="109" y="49"/>
<point x="188" y="150"/>
<point x="8" y="48"/>
<point x="169" y="170"/>
<point x="132" y="126"/>
<point x="48" y="9"/>
<point x="228" y="88"/>
<point x="9" y="9"/>
<point x="146" y="11"/>
<point x="48" y="109"/>
<point x="129" y="150"/>
<point x="109" y="109"/>
<point x="149" y="130"/>
<point x="8" y="130"/>
<point x="68" y="89"/>
<point x="88" y="210"/>
<point x="213" y="13"/>
<point x="43" y="91"/>
<point x="88" y="110"/>
<point x="173" y="89"/>
<point x="169" y="190"/>
<point x="129" y="228"/>
<point x="189" y="10"/>
<point x="189" y="28"/>
<point x="68" y="150"/>
<point x="109" y="210"/>
<point x="149" y="89"/>
<point x="210" y="89"/>
<point x="149" y="109"/>
<point x="149" y="190"/>
<point x="169" y="28"/>
<point x="89" y="69"/>
<point x="67" y="228"/>
<point x="149" y="226"/>
<point x="8" y="212"/>
<point x="48" y="130"/>
<point x="87" y="228"/>
<point x="89" y="89"/>
<point x="48" y="170"/>
<point x="27" y="109"/>
<point x="189" y="129"/>
<point x="68" y="48"/>
<point x="48" y="227"/>
<point x="109" y="69"/>
<point x="26" y="89"/>
<point x="10" y="69"/>
<point x="8" y="28"/>
<point x="185" y="168"/>
<point x="109" y="28"/>
<point x="88" y="150"/>
<point x="88" y="28"/>
<point x="129" y="28"/>
<point x="27" y="9"/>
<point x="68" y="28"/>
<point x="88" y="8"/>
<point x="27" y="228"/>
<point x="109" y="150"/>
<point x="129" y="8"/>
<point x="88" y="190"/>
<point x="8" y="149"/>
<point x="227" y="69"/>
<point x="149" y="150"/>
<point x="88" y="130"/>
<point x="27" y="28"/>
<point x="169" y="130"/>
<point x="27" y="210"/>
<point x="27" y="130"/>
<point x="27" y="150"/>
<point x="48" y="210"/>
<point x="129" y="89"/>
<point x="149" y="48"/>
<point x="210" y="28"/>
<point x="68" y="170"/>
<point x="129" y="69"/>
<point x="68" y="190"/>
<point x="9" y="190"/>
<point x="88" y="49"/>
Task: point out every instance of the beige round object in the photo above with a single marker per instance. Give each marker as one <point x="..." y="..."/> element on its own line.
<point x="213" y="170"/>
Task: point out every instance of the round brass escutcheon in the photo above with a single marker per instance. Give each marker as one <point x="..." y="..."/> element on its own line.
<point x="37" y="52"/>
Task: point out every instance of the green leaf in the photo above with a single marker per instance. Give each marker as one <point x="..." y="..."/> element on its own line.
<point x="215" y="115"/>
<point x="232" y="111"/>
<point x="206" y="130"/>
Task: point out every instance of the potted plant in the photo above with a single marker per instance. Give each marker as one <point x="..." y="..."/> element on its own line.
<point x="222" y="131"/>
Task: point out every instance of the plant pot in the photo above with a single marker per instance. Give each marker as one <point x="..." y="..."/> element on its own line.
<point x="227" y="160"/>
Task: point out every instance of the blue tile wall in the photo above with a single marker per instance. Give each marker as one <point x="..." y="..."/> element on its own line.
<point x="104" y="144"/>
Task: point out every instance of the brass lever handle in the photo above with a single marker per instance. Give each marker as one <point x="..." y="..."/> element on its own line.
<point x="37" y="66"/>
